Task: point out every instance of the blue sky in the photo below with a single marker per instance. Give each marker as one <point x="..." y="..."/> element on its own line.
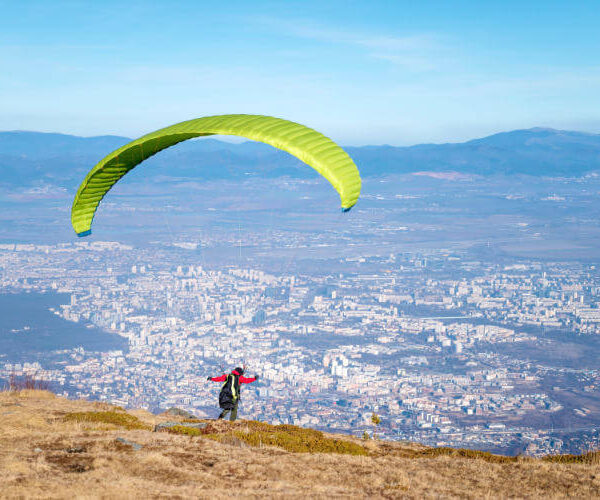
<point x="363" y="72"/>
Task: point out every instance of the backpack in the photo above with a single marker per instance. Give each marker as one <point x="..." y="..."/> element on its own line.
<point x="230" y="392"/>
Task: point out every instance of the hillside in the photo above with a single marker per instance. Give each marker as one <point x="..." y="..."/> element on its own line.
<point x="53" y="447"/>
<point x="30" y="159"/>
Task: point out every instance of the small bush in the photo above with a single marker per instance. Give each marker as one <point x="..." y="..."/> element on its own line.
<point x="462" y="453"/>
<point x="107" y="417"/>
<point x="186" y="431"/>
<point x="592" y="458"/>
<point x="28" y="381"/>
<point x="375" y="420"/>
<point x="300" y="444"/>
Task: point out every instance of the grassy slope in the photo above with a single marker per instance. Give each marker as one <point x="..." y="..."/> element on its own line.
<point x="46" y="451"/>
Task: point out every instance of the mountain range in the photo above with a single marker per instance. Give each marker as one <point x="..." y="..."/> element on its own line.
<point x="30" y="159"/>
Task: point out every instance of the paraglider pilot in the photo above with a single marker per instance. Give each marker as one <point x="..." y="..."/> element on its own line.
<point x="229" y="397"/>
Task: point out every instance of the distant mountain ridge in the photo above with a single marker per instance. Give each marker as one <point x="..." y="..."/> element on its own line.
<point x="536" y="151"/>
<point x="35" y="158"/>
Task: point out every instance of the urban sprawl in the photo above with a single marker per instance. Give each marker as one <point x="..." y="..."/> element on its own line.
<point x="425" y="341"/>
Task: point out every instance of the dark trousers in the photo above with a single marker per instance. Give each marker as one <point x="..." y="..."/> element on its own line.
<point x="233" y="411"/>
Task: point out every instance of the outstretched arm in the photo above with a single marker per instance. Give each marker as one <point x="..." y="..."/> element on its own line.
<point x="249" y="380"/>
<point x="222" y="378"/>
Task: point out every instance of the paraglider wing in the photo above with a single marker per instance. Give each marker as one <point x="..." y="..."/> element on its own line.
<point x="306" y="144"/>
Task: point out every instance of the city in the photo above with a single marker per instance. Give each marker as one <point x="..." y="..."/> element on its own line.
<point x="442" y="361"/>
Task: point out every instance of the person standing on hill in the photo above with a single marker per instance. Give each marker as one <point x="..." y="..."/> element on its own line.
<point x="229" y="397"/>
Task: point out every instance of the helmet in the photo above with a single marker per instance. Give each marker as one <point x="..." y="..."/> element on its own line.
<point x="239" y="370"/>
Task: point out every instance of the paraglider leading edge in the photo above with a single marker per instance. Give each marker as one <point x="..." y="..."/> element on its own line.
<point x="306" y="144"/>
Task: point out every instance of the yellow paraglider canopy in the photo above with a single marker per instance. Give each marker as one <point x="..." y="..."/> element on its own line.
<point x="306" y="144"/>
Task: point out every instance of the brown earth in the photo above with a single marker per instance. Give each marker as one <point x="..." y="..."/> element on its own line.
<point x="51" y="447"/>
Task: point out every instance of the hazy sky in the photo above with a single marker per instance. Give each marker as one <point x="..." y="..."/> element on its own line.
<point x="364" y="72"/>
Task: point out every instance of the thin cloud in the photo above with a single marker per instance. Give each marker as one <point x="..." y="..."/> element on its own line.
<point x="421" y="52"/>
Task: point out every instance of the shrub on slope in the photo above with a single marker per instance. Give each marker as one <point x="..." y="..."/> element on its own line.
<point x="120" y="419"/>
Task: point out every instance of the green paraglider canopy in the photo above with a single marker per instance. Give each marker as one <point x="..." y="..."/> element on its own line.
<point x="308" y="145"/>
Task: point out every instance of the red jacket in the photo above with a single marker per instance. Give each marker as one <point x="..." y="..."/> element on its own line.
<point x="242" y="380"/>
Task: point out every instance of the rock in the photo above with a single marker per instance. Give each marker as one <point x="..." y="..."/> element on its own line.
<point x="76" y="449"/>
<point x="37" y="450"/>
<point x="166" y="425"/>
<point x="126" y="442"/>
<point x="178" y="412"/>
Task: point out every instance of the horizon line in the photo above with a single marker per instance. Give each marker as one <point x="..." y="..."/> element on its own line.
<point x="232" y="139"/>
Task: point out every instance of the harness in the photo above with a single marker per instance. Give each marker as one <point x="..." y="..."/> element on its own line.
<point x="231" y="380"/>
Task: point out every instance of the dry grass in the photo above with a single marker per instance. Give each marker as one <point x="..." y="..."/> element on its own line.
<point x="258" y="434"/>
<point x="590" y="458"/>
<point x="457" y="453"/>
<point x="290" y="438"/>
<point x="46" y="454"/>
<point x="114" y="418"/>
